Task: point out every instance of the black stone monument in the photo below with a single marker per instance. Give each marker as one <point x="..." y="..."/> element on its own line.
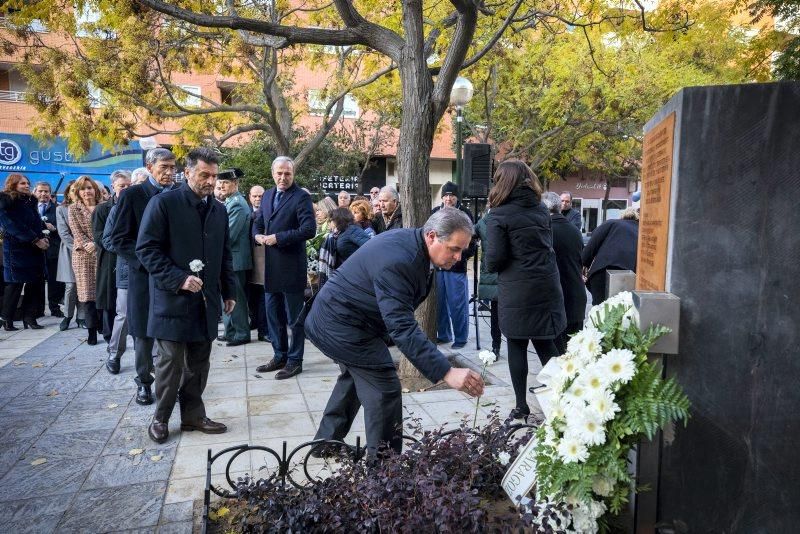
<point x="734" y="261"/>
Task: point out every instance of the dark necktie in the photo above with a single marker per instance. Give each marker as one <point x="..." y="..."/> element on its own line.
<point x="277" y="201"/>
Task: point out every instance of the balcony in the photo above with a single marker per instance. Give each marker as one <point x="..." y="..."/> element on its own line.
<point x="12" y="96"/>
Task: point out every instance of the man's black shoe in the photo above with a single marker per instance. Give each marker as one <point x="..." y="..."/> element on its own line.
<point x="458" y="345"/>
<point x="272" y="365"/>
<point x="112" y="364"/>
<point x="262" y="337"/>
<point x="333" y="451"/>
<point x="222" y="338"/>
<point x="158" y="431"/>
<point x="144" y="396"/>
<point x="204" y="425"/>
<point x="291" y="369"/>
<point x="237" y="343"/>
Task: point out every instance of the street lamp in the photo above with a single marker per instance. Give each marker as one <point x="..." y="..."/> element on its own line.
<point x="460" y="95"/>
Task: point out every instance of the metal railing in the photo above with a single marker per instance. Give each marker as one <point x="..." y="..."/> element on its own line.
<point x="293" y="466"/>
<point x="13" y="96"/>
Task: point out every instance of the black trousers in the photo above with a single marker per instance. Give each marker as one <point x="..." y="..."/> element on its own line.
<point x="90" y="314"/>
<point x="563" y="337"/>
<point x="518" y="364"/>
<point x="143" y="350"/>
<point x="257" y="308"/>
<point x="380" y="393"/>
<point x="182" y="374"/>
<point x="597" y="287"/>
<point x="55" y="289"/>
<point x="494" y="323"/>
<point x="107" y="317"/>
<point x="30" y="300"/>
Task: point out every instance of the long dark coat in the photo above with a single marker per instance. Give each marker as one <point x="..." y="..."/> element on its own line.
<point x="292" y="223"/>
<point x="612" y="246"/>
<point x="106" y="261"/>
<point x="55" y="241"/>
<point x="487" y="283"/>
<point x="132" y="203"/>
<point x="22" y="260"/>
<point x="173" y="234"/>
<point x="568" y="244"/>
<point x="531" y="304"/>
<point x="372" y="295"/>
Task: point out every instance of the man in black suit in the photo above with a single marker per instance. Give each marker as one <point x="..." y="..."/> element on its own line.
<point x="47" y="211"/>
<point x="283" y="224"/>
<point x="372" y="297"/>
<point x="161" y="164"/>
<point x="571" y="214"/>
<point x="183" y="243"/>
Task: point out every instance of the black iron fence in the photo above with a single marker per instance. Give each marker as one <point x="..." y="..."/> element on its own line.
<point x="297" y="467"/>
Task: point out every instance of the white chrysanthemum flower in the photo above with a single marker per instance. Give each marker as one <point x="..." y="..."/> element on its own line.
<point x="487" y="357"/>
<point x="603" y="405"/>
<point x="593" y="379"/>
<point x="557" y="408"/>
<point x="586" y="343"/>
<point x="569" y="366"/>
<point x="588" y="428"/>
<point x="576" y="394"/>
<point x="625" y="298"/>
<point x="602" y="486"/>
<point x="503" y="458"/>
<point x="618" y="365"/>
<point x="570" y="449"/>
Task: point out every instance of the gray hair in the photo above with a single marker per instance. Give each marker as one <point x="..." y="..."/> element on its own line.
<point x="118" y="175"/>
<point x="446" y="221"/>
<point x="158" y="154"/>
<point x="140" y="175"/>
<point x="203" y="153"/>
<point x="552" y="201"/>
<point x="282" y="159"/>
<point x="43" y="184"/>
<point x="392" y="191"/>
<point x="630" y="213"/>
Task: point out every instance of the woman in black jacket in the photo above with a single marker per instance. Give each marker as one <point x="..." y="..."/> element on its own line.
<point x="24" y="244"/>
<point x="349" y="235"/>
<point x="520" y="250"/>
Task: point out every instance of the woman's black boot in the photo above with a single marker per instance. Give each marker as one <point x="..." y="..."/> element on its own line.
<point x="92" y="340"/>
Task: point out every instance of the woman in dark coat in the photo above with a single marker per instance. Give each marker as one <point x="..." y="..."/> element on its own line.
<point x="612" y="246"/>
<point x="24" y="244"/>
<point x="520" y="250"/>
<point x="349" y="235"/>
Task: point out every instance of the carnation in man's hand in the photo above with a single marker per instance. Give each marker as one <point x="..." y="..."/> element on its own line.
<point x="196" y="266"/>
<point x="487" y="357"/>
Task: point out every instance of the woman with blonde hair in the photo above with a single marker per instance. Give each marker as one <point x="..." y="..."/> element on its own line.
<point x="362" y="212"/>
<point x="85" y="196"/>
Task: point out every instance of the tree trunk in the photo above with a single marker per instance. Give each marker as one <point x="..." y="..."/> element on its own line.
<point x="417" y="128"/>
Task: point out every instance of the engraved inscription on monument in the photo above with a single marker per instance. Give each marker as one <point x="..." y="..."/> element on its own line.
<point x="651" y="263"/>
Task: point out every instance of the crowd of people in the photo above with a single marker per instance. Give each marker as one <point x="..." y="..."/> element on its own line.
<point x="164" y="262"/>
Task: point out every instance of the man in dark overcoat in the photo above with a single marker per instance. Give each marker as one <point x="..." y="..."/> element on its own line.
<point x="568" y="246"/>
<point x="613" y="245"/>
<point x="183" y="243"/>
<point x="106" y="298"/>
<point x="372" y="297"/>
<point x="283" y="224"/>
<point x="161" y="164"/>
<point x="46" y="207"/>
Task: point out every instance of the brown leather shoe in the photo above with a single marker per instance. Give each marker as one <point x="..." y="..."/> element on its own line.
<point x="273" y="365"/>
<point x="158" y="431"/>
<point x="204" y="425"/>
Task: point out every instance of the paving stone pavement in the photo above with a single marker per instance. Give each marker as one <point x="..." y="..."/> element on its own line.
<point x="74" y="450"/>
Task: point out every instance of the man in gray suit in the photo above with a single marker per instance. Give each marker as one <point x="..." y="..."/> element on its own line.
<point x="237" y="323"/>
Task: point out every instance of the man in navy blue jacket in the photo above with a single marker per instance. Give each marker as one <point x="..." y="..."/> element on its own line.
<point x="283" y="224"/>
<point x="180" y="228"/>
<point x="373" y="296"/>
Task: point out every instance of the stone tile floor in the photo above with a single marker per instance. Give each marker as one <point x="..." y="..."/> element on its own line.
<point x="74" y="451"/>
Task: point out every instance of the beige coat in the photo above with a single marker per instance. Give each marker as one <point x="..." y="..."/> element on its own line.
<point x="257" y="273"/>
<point x="84" y="263"/>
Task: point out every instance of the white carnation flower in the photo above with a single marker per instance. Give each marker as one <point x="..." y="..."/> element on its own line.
<point x="588" y="428"/>
<point x="503" y="458"/>
<point x="584" y="517"/>
<point x="196" y="266"/>
<point x="603" y="405"/>
<point x="487" y="357"/>
<point x="570" y="449"/>
<point x="618" y="365"/>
